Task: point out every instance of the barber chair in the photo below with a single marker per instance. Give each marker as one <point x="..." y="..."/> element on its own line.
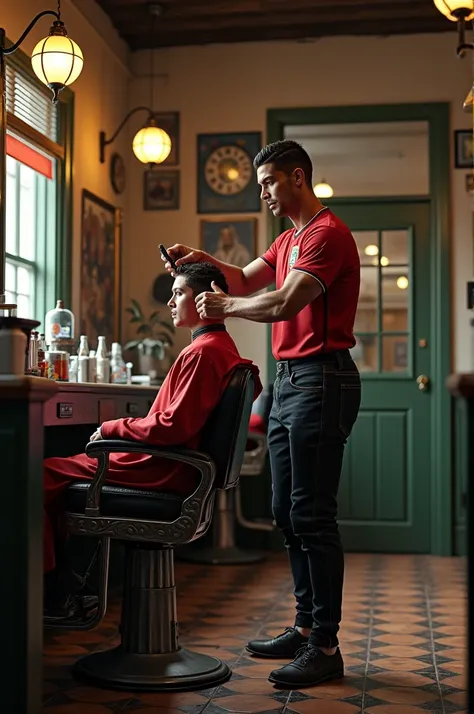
<point x="229" y="510"/>
<point x="150" y="525"/>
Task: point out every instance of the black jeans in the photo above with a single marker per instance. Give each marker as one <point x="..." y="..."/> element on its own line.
<point x="315" y="405"/>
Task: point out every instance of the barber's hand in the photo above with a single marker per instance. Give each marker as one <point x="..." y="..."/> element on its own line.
<point x="215" y="304"/>
<point x="183" y="254"/>
<point x="96" y="436"/>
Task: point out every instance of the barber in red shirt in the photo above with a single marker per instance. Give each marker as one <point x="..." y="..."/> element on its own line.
<point x="317" y="391"/>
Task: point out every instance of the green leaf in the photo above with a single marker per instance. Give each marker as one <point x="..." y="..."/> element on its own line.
<point x="143" y="330"/>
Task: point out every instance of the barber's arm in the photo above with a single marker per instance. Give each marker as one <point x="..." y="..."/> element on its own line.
<point x="298" y="290"/>
<point x="242" y="281"/>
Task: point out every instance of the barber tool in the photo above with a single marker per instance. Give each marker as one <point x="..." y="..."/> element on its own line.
<point x="167" y="256"/>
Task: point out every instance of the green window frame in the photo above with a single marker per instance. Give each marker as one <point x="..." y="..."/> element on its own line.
<point x="52" y="263"/>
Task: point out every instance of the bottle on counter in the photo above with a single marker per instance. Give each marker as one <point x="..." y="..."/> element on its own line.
<point x="103" y="364"/>
<point x="92" y="366"/>
<point x="83" y="349"/>
<point x="118" y="369"/>
<point x="42" y="350"/>
<point x="58" y="325"/>
<point x="73" y="368"/>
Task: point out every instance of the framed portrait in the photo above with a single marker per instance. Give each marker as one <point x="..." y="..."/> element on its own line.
<point x="226" y="177"/>
<point x="100" y="269"/>
<point x="169" y="121"/>
<point x="463" y="149"/>
<point x="160" y="190"/>
<point x="233" y="241"/>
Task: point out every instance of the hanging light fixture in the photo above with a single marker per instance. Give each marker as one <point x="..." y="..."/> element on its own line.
<point x="151" y="144"/>
<point x="460" y="11"/>
<point x="323" y="190"/>
<point x="57" y="62"/>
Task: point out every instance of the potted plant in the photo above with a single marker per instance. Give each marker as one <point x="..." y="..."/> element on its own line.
<point x="155" y="337"/>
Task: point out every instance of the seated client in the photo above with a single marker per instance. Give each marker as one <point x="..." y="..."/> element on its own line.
<point x="192" y="388"/>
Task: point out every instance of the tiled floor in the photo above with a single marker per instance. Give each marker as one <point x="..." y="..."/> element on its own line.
<point x="403" y="639"/>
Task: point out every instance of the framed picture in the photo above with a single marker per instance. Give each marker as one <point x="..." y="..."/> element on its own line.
<point x="233" y="241"/>
<point x="161" y="190"/>
<point x="169" y="121"/>
<point x="226" y="177"/>
<point x="100" y="269"/>
<point x="463" y="149"/>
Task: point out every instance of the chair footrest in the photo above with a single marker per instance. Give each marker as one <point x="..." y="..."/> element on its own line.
<point x="174" y="671"/>
<point x="219" y="556"/>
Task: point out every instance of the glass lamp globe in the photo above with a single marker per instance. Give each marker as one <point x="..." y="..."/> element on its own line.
<point x="456" y="10"/>
<point x="151" y="145"/>
<point x="57" y="60"/>
<point x="323" y="190"/>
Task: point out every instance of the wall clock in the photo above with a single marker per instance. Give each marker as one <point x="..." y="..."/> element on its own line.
<point x="117" y="173"/>
<point x="226" y="177"/>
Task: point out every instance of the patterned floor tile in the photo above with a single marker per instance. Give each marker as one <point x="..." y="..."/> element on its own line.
<point x="396" y="608"/>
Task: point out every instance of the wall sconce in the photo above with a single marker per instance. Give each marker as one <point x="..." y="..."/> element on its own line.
<point x="460" y="11"/>
<point x="57" y="61"/>
<point x="151" y="145"/>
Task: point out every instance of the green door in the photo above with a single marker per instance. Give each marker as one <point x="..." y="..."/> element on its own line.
<point x="385" y="494"/>
<point x="385" y="486"/>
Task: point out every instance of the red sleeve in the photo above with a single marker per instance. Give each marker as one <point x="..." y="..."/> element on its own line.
<point x="195" y="394"/>
<point x="322" y="255"/>
<point x="270" y="256"/>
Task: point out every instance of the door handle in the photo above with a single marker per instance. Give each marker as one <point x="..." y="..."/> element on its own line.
<point x="423" y="382"/>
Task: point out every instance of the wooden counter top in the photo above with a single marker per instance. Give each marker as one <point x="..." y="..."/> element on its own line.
<point x="36" y="389"/>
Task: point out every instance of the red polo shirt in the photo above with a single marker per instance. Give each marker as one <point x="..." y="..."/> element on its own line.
<point x="325" y="249"/>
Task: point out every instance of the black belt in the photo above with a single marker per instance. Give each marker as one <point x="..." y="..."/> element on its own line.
<point x="321" y="357"/>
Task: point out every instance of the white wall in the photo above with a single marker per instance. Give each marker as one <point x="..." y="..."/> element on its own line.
<point x="219" y="88"/>
<point x="101" y="96"/>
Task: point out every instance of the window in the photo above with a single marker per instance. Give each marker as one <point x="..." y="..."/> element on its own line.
<point x="38" y="192"/>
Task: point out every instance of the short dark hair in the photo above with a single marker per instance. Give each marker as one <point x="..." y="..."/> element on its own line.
<point x="287" y="155"/>
<point x="199" y="276"/>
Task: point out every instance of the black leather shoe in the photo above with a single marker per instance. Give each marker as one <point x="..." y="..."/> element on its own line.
<point x="282" y="646"/>
<point x="311" y="667"/>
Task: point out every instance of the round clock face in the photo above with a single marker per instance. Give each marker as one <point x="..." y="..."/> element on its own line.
<point x="228" y="170"/>
<point x="117" y="173"/>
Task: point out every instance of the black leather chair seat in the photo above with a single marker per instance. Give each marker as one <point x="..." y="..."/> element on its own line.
<point x="120" y="502"/>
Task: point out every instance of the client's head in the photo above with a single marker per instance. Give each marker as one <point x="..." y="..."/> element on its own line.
<point x="190" y="280"/>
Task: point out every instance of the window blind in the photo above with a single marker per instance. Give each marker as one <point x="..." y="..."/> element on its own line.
<point x="30" y="102"/>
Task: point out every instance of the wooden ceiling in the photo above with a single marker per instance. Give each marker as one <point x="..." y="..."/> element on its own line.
<point x="199" y="22"/>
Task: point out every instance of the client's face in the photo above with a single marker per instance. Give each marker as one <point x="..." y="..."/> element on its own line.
<point x="182" y="304"/>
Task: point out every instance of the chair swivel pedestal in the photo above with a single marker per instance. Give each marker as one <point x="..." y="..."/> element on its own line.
<point x="223" y="551"/>
<point x="149" y="657"/>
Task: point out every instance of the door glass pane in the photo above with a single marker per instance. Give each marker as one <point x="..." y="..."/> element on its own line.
<point x="395" y="353"/>
<point x="365" y="353"/>
<point x="395" y="300"/>
<point x="395" y="247"/>
<point x="367" y="245"/>
<point x="367" y="309"/>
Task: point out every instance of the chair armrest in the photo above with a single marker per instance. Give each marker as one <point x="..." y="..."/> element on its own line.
<point x="102" y="448"/>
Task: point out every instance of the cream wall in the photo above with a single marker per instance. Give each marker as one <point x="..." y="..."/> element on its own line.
<point x="101" y="95"/>
<point x="222" y="88"/>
